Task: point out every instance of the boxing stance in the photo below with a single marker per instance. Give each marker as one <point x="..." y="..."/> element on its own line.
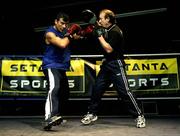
<point x="111" y="40"/>
<point x="55" y="63"/>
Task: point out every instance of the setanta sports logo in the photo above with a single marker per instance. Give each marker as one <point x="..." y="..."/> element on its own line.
<point x="150" y="74"/>
<point x="27" y="76"/>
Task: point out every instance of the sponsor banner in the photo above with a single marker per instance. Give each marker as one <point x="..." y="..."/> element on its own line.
<point x="151" y="66"/>
<point x="24" y="84"/>
<point x="76" y="76"/>
<point x="150" y="74"/>
<point x="153" y="82"/>
<point x="24" y="77"/>
<point x="21" y="68"/>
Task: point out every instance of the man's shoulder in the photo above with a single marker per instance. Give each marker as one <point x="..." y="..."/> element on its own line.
<point x="116" y="30"/>
<point x="50" y="28"/>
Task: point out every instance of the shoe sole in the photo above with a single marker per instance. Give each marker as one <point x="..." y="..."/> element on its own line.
<point x="141" y="126"/>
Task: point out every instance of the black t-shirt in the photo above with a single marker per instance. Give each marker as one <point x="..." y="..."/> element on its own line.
<point x="115" y="38"/>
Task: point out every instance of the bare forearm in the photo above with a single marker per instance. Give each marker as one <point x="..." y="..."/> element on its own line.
<point x="106" y="46"/>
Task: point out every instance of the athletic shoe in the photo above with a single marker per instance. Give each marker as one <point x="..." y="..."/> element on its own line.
<point x="89" y="118"/>
<point x="140" y="122"/>
<point x="53" y="121"/>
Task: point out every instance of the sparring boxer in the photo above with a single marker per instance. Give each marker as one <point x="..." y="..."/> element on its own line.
<point x="55" y="63"/>
<point x="110" y="38"/>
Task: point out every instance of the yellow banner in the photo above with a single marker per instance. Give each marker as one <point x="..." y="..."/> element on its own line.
<point x="148" y="66"/>
<point x="76" y="68"/>
<point x="33" y="68"/>
<point x="134" y="67"/>
<point x="151" y="66"/>
<point x="21" y="68"/>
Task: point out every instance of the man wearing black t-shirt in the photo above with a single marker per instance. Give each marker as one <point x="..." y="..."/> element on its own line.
<point x="110" y="37"/>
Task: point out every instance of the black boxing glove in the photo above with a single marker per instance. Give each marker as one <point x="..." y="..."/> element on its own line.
<point x="99" y="31"/>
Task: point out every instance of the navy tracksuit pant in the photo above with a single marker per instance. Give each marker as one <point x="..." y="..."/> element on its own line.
<point x="113" y="72"/>
<point x="58" y="92"/>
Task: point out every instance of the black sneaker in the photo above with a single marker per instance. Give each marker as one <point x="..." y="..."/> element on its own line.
<point x="53" y="121"/>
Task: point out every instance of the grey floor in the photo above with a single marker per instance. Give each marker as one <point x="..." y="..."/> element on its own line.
<point x="105" y="126"/>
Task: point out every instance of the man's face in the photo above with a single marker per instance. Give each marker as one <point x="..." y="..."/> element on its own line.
<point x="104" y="22"/>
<point x="61" y="24"/>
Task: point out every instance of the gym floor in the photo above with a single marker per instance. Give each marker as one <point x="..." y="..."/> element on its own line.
<point x="105" y="126"/>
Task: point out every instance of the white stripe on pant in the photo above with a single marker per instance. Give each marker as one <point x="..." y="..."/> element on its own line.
<point x="48" y="105"/>
<point x="127" y="87"/>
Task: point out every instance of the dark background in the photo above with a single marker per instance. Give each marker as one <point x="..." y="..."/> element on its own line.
<point x="23" y="23"/>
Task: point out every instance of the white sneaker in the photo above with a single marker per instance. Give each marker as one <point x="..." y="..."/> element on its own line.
<point x="88" y="118"/>
<point x="140" y="122"/>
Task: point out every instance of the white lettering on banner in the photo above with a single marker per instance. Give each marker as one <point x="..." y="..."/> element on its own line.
<point x="165" y="81"/>
<point x="34" y="83"/>
<point x="71" y="83"/>
<point x="24" y="83"/>
<point x="143" y="82"/>
<point x="13" y="84"/>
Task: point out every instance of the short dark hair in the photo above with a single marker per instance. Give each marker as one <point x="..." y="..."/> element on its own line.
<point x="64" y="16"/>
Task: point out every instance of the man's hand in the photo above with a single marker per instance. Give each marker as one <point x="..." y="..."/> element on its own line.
<point x="73" y="32"/>
<point x="99" y="31"/>
<point x="74" y="28"/>
<point x="88" y="30"/>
